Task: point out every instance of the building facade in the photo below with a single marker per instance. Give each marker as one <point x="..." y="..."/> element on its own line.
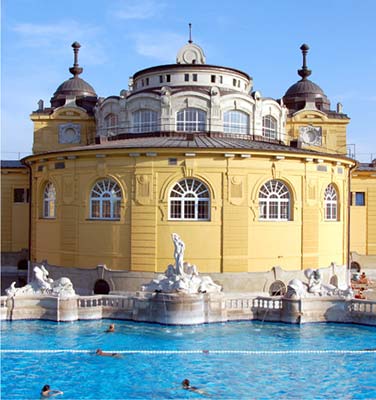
<point x="247" y="181"/>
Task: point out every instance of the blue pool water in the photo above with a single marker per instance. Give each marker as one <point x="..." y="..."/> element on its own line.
<point x="267" y="361"/>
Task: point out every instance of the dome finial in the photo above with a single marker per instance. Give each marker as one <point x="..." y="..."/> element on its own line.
<point x="76" y="69"/>
<point x="190" y="33"/>
<point x="304" y="72"/>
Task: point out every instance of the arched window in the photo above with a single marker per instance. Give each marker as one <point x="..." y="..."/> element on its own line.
<point x="105" y="199"/>
<point x="49" y="201"/>
<point x="236" y="122"/>
<point x="330" y="203"/>
<point x="191" y="120"/>
<point x="189" y="200"/>
<point x="274" y="201"/>
<point x="145" y="121"/>
<point x="111" y="124"/>
<point x="269" y="127"/>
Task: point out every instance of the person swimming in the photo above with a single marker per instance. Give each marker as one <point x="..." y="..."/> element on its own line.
<point x="186" y="384"/>
<point x="111" y="328"/>
<point x="47" y="392"/>
<point x="100" y="352"/>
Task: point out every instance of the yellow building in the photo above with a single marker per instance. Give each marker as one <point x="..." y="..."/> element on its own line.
<point x="363" y="215"/>
<point x="248" y="182"/>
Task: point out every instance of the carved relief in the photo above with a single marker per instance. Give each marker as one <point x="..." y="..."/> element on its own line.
<point x="69" y="133"/>
<point x="143" y="189"/>
<point x="236" y="189"/>
<point x="188" y="168"/>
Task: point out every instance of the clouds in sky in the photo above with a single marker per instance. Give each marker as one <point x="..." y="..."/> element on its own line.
<point x="161" y="46"/>
<point x="136" y="9"/>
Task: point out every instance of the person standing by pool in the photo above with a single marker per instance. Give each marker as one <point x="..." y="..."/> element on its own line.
<point x="47" y="392"/>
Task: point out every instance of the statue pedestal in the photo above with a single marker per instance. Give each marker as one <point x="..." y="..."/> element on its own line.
<point x="179" y="308"/>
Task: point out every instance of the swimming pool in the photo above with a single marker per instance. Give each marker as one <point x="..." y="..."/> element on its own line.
<point x="238" y="360"/>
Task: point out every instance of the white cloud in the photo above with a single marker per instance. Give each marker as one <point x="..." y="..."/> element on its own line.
<point x="137" y="9"/>
<point x="162" y="46"/>
<point x="57" y="37"/>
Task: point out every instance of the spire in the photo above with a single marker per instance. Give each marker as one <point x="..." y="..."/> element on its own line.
<point x="304" y="72"/>
<point x="76" y="69"/>
<point x="190" y="33"/>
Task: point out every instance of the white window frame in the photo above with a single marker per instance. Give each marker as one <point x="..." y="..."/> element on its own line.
<point x="269" y="127"/>
<point x="191" y="120"/>
<point x="331" y="203"/>
<point x="145" y="121"/>
<point x="189" y="200"/>
<point x="49" y="201"/>
<point x="235" y="121"/>
<point x="274" y="201"/>
<point x="105" y="200"/>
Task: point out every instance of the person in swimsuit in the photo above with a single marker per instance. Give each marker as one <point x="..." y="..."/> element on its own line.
<point x="111" y="328"/>
<point x="47" y="392"/>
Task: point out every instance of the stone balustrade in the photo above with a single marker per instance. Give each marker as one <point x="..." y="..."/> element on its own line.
<point x="176" y="309"/>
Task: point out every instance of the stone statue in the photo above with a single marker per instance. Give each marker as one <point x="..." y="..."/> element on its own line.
<point x="183" y="277"/>
<point x="296" y="289"/>
<point x="43" y="285"/>
<point x="178" y="254"/>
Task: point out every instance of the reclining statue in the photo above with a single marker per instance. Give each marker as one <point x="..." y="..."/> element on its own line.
<point x="43" y="285"/>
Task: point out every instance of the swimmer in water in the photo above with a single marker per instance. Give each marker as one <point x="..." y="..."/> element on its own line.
<point x="47" y="392"/>
<point x="100" y="352"/>
<point x="187" y="386"/>
<point x="111" y="328"/>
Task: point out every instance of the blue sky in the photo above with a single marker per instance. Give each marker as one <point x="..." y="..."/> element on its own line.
<point x="119" y="37"/>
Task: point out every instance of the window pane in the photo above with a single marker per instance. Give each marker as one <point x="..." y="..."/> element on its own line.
<point x="95" y="213"/>
<point x="360" y="199"/>
<point x="189" y="209"/>
<point x="189" y="199"/>
<point x="105" y="200"/>
<point x="274" y="201"/>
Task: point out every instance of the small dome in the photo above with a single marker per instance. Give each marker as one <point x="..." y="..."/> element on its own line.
<point x="304" y="87"/>
<point x="75" y="87"/>
<point x="305" y="93"/>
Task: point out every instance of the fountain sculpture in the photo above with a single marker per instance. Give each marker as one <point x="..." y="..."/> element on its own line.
<point x="43" y="285"/>
<point x="183" y="277"/>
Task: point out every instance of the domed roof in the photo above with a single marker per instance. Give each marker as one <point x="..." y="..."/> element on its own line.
<point x="75" y="87"/>
<point x="304" y="87"/>
<point x="305" y="93"/>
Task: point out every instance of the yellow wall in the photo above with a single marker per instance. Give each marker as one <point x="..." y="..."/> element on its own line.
<point x="363" y="218"/>
<point x="46" y="128"/>
<point x="234" y="240"/>
<point x="14" y="216"/>
<point x="333" y="130"/>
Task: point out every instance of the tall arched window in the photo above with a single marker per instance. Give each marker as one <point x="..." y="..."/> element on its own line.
<point x="105" y="199"/>
<point x="269" y="127"/>
<point x="111" y="123"/>
<point x="189" y="200"/>
<point x="191" y="120"/>
<point x="145" y="121"/>
<point x="236" y="122"/>
<point x="274" y="201"/>
<point x="330" y="203"/>
<point x="49" y="201"/>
